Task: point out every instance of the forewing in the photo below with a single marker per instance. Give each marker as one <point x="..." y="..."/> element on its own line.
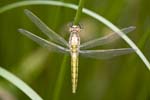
<point x="106" y="54"/>
<point x="104" y="40"/>
<point x="45" y="29"/>
<point x="44" y="43"/>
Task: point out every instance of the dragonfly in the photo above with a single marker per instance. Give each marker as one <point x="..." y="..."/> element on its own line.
<point x="73" y="47"/>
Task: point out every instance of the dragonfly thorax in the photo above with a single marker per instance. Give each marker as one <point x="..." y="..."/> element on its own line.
<point x="74" y="42"/>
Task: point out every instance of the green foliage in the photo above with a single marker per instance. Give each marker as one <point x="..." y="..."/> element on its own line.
<point x="125" y="78"/>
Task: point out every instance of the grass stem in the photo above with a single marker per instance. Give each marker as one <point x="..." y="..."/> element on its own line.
<point x="60" y="79"/>
<point x="79" y="12"/>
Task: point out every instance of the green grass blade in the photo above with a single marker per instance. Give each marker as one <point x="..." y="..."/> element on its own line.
<point x="79" y="12"/>
<point x="19" y="84"/>
<point x="86" y="11"/>
<point x="60" y="79"/>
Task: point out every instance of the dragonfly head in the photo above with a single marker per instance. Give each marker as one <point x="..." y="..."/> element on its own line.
<point x="75" y="29"/>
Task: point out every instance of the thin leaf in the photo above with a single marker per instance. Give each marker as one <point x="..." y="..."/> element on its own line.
<point x="19" y="84"/>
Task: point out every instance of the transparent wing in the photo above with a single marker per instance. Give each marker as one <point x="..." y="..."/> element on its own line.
<point x="49" y="45"/>
<point x="45" y="29"/>
<point x="106" y="54"/>
<point x="104" y="40"/>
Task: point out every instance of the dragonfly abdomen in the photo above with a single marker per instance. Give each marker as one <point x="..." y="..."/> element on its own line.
<point x="74" y="71"/>
<point x="74" y="67"/>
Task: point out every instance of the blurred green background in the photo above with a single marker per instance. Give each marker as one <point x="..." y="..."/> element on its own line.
<point x="121" y="78"/>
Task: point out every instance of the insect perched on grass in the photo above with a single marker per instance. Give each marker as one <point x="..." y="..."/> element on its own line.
<point x="59" y="44"/>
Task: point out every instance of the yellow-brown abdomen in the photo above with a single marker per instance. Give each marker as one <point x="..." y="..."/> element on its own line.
<point x="74" y="67"/>
<point x="74" y="71"/>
